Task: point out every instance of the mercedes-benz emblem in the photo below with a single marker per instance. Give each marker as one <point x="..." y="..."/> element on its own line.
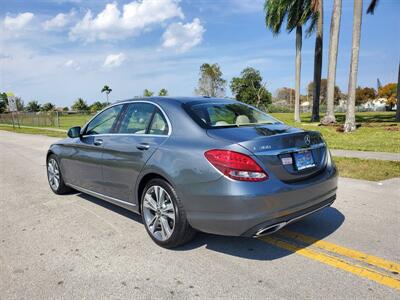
<point x="307" y="139"/>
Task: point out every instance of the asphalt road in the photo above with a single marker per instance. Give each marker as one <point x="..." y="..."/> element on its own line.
<point x="78" y="247"/>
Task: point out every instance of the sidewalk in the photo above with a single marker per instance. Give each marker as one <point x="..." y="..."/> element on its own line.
<point x="366" y="154"/>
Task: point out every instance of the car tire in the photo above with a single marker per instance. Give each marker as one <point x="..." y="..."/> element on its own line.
<point x="181" y="232"/>
<point x="54" y="176"/>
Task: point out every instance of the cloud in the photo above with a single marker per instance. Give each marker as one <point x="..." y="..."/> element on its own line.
<point x="183" y="37"/>
<point x="72" y="64"/>
<point x="59" y="21"/>
<point x="136" y="16"/>
<point x="19" y="22"/>
<point x="114" y="60"/>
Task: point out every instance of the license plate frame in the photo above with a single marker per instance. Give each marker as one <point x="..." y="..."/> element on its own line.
<point x="303" y="160"/>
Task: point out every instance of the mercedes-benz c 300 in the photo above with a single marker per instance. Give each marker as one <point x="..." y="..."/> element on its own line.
<point x="196" y="164"/>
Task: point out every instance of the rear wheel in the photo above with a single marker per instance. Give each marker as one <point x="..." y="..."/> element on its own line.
<point x="164" y="216"/>
<point x="54" y="176"/>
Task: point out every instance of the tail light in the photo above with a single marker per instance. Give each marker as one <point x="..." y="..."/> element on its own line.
<point x="236" y="165"/>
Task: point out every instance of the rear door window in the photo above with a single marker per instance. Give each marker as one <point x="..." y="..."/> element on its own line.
<point x="136" y="119"/>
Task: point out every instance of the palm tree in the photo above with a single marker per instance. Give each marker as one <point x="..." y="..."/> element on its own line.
<point x="147" y="93"/>
<point x="107" y="90"/>
<point x="333" y="53"/>
<point x="350" y="123"/>
<point x="80" y="105"/>
<point x="398" y="98"/>
<point x="163" y="92"/>
<point x="297" y="13"/>
<point x="371" y="10"/>
<point x="33" y="106"/>
<point x="319" y="15"/>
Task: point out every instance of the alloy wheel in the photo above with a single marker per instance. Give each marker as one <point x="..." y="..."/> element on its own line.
<point x="53" y="173"/>
<point x="159" y="213"/>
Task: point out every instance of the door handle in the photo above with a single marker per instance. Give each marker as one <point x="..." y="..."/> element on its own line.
<point x="98" y="142"/>
<point x="143" y="146"/>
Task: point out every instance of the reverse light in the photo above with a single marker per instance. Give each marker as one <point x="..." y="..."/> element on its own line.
<point x="236" y="165"/>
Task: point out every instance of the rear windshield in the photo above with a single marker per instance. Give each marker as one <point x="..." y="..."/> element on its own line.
<point x="214" y="115"/>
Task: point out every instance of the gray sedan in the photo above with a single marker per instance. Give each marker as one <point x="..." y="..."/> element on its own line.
<point x="196" y="164"/>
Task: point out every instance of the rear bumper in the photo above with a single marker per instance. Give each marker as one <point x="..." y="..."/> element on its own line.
<point x="229" y="207"/>
<point x="272" y="226"/>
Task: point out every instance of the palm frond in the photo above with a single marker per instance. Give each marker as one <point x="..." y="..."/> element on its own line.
<point x="296" y="13"/>
<point x="372" y="6"/>
<point x="275" y="13"/>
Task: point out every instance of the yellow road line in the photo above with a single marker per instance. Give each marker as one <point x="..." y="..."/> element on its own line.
<point x="357" y="255"/>
<point x="335" y="262"/>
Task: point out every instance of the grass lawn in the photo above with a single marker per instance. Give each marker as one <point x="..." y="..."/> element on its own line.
<point x="367" y="169"/>
<point x="378" y="132"/>
<point x="35" y="131"/>
<point x="69" y="121"/>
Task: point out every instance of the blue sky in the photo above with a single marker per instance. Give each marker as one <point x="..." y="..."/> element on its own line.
<point x="58" y="50"/>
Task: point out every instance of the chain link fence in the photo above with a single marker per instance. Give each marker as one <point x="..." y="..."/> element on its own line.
<point x="52" y="119"/>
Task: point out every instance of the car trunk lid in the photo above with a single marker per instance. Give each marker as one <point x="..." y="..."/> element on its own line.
<point x="289" y="153"/>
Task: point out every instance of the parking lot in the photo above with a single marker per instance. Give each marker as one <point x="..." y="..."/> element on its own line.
<point x="77" y="247"/>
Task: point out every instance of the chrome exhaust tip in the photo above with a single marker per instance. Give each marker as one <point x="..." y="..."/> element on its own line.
<point x="270" y="229"/>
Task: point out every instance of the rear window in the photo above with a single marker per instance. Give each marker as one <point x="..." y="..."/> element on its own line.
<point x="214" y="115"/>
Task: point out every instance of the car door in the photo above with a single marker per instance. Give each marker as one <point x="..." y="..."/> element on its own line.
<point x="83" y="164"/>
<point x="142" y="129"/>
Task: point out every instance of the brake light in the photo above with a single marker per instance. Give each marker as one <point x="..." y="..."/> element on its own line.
<point x="236" y="165"/>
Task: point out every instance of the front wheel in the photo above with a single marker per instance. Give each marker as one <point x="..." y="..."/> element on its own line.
<point x="55" y="177"/>
<point x="164" y="216"/>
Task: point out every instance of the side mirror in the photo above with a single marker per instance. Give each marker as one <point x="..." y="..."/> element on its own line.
<point x="74" y="132"/>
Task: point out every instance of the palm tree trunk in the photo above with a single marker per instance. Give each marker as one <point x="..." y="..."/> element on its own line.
<point x="333" y="53"/>
<point x="350" y="124"/>
<point x="398" y="98"/>
<point x="318" y="63"/>
<point x="299" y="37"/>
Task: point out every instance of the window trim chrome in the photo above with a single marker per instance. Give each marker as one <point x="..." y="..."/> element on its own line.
<point x="131" y="134"/>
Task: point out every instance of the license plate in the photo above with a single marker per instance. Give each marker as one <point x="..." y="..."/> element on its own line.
<point x="304" y="160"/>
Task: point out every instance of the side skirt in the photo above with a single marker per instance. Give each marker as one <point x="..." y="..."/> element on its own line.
<point x="124" y="204"/>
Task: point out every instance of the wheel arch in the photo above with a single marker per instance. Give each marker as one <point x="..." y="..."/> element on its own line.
<point x="49" y="152"/>
<point x="142" y="184"/>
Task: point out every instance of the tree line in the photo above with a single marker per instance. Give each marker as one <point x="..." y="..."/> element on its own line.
<point x="248" y="87"/>
<point x="78" y="105"/>
<point x="299" y="13"/>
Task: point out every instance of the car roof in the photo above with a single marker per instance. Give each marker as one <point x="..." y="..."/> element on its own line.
<point x="181" y="100"/>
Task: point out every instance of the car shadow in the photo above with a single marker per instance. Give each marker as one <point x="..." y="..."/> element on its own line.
<point x="115" y="208"/>
<point x="316" y="227"/>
